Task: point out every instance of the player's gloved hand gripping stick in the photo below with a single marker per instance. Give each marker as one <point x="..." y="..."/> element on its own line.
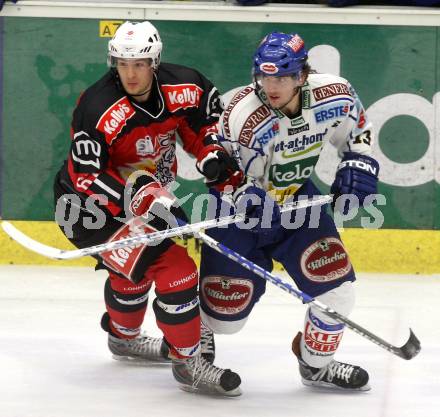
<point x="146" y="239"/>
<point x="357" y="175"/>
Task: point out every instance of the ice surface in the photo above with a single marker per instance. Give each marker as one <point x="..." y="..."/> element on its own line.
<point x="54" y="360"/>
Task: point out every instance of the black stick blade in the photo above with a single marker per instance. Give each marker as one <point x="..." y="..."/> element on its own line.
<point x="411" y="348"/>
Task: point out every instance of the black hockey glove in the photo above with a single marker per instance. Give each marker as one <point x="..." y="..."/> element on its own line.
<point x="219" y="168"/>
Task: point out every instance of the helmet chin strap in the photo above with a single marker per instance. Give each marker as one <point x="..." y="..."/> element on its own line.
<point x="146" y="91"/>
<point x="141" y="94"/>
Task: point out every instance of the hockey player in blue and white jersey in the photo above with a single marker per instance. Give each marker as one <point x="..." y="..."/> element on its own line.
<point x="276" y="128"/>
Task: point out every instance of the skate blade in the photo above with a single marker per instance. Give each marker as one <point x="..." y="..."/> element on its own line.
<point x="200" y="391"/>
<point x="329" y="386"/>
<point x="141" y="362"/>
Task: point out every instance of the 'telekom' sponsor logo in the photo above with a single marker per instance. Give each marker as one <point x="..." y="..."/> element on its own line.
<point x="296" y="172"/>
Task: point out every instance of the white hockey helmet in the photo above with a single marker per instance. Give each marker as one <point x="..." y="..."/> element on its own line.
<point x="135" y="40"/>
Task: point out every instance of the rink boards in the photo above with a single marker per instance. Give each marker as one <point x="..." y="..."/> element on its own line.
<point x="396" y="251"/>
<point x="51" y="51"/>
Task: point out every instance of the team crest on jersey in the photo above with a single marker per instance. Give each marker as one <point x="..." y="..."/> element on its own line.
<point x="325" y="260"/>
<point x="181" y="96"/>
<point x="153" y="145"/>
<point x="115" y="118"/>
<point x="144" y="146"/>
<point x="150" y="148"/>
<point x="226" y="295"/>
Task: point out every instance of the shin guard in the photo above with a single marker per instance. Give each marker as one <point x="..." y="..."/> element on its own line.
<point x="322" y="334"/>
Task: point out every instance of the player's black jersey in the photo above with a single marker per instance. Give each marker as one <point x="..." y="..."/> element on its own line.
<point x="114" y="136"/>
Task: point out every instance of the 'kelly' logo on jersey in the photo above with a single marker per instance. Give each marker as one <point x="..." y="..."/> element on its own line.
<point x="181" y="96"/>
<point x="115" y="118"/>
<point x="124" y="259"/>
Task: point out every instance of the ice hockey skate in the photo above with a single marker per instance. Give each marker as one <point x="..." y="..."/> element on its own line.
<point x="142" y="349"/>
<point x="335" y="375"/>
<point x="207" y="343"/>
<point x="197" y="375"/>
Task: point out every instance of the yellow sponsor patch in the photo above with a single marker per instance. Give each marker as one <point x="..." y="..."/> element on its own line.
<point x="107" y="28"/>
<point x="280" y="195"/>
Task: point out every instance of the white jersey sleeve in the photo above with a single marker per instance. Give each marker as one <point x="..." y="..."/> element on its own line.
<point x="244" y="116"/>
<point x="354" y="131"/>
<point x="279" y="153"/>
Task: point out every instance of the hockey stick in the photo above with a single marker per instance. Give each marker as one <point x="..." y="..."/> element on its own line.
<point x="410" y="349"/>
<point x="145" y="239"/>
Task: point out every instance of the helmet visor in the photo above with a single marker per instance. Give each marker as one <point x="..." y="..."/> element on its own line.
<point x="113" y="61"/>
<point x="264" y="80"/>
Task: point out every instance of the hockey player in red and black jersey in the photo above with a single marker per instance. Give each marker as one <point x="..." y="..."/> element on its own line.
<point x="115" y="183"/>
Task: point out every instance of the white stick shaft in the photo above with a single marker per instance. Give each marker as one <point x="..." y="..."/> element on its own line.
<point x="145" y="239"/>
